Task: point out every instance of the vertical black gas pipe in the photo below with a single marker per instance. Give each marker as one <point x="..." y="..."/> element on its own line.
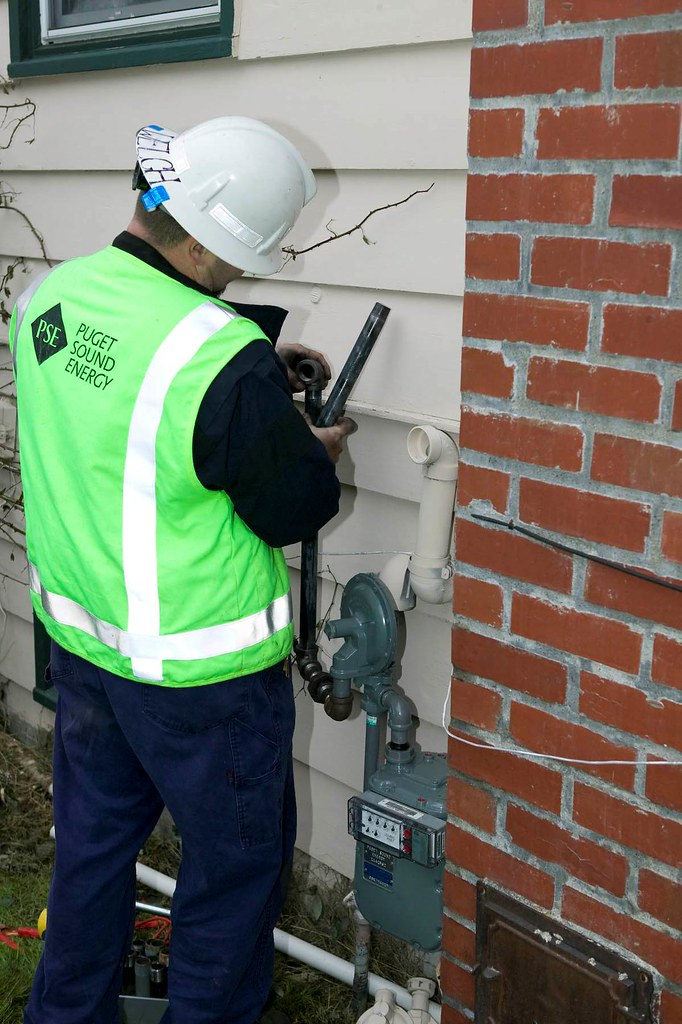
<point x="310" y="372"/>
<point x="319" y="682"/>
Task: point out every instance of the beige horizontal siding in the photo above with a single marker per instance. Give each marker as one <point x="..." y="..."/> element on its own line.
<point x="400" y="107"/>
<point x="321" y="26"/>
<point x="416" y="247"/>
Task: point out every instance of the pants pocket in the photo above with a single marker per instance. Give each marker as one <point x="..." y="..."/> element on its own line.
<point x="260" y="748"/>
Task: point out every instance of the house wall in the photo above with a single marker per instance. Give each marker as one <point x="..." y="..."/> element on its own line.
<point x="378" y="105"/>
<point x="572" y="411"/>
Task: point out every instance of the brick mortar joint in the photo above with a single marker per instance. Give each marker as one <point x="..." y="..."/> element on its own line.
<point x="572" y="166"/>
<point x="543" y="32"/>
<point x="640" y="916"/>
<point x="466" y="922"/>
<point x="562" y="875"/>
<point x="596" y="231"/>
<point x="558" y="416"/>
<point x="567" y="295"/>
<point x="562" y="479"/>
<point x="627" y="797"/>
<point x="525" y="589"/>
<point x="663" y="95"/>
<point x="663" y="370"/>
<point x="560" y="601"/>
<point x="642" y="747"/>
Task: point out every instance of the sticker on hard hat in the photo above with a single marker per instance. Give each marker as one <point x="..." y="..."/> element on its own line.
<point x="153" y="155"/>
<point x="178" y="156"/>
<point x="232" y="224"/>
<point x="154" y="197"/>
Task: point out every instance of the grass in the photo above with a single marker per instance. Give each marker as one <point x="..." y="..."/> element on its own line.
<point x="26" y="855"/>
<point x="22" y="897"/>
<point x="314" y="910"/>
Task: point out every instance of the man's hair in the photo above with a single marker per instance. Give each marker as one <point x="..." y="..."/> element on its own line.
<point x="162" y="230"/>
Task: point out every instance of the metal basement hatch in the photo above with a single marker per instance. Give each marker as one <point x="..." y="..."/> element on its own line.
<point x="533" y="970"/>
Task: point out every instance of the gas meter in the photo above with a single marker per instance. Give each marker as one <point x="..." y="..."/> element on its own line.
<point x="400" y="849"/>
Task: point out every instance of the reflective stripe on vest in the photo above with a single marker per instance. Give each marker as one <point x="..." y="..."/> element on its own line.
<point x="192" y="645"/>
<point x="20" y="310"/>
<point x="139" y="476"/>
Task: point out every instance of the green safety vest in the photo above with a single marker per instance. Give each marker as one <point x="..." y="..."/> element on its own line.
<point x="133" y="564"/>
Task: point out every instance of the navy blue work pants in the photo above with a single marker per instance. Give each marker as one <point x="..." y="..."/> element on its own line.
<point x="219" y="757"/>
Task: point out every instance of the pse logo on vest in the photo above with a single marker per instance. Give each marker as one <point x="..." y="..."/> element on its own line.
<point x="49" y="334"/>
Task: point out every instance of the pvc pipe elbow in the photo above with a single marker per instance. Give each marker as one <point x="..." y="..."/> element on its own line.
<point x="435" y="451"/>
<point x="429" y="567"/>
<point x="396" y="578"/>
<point x="385" y="1010"/>
<point x="431" y="590"/>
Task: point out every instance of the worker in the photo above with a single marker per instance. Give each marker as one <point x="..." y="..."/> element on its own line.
<point x="164" y="466"/>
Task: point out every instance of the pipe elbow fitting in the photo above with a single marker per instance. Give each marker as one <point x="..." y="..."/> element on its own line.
<point x="399" y="711"/>
<point x="435" y="451"/>
<point x="338" y="708"/>
<point x="432" y="585"/>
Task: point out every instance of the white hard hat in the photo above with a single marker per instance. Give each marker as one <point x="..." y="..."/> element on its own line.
<point x="235" y="184"/>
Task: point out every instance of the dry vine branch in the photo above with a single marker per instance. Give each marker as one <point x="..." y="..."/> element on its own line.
<point x="11" y="119"/>
<point x="293" y="253"/>
<point x="7" y="276"/>
<point x="7" y="198"/>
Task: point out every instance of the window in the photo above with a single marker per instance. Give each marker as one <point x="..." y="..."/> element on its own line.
<point x="55" y="36"/>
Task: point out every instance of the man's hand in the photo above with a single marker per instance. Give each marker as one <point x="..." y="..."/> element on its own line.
<point x="333" y="437"/>
<point x="291" y="355"/>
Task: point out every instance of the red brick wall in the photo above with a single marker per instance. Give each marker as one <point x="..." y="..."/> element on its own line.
<point x="571" y="421"/>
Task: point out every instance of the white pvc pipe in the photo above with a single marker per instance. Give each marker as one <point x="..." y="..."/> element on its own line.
<point x="430" y="568"/>
<point x="298" y="949"/>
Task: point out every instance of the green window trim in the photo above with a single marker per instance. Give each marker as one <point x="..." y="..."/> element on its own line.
<point x="30" y="57"/>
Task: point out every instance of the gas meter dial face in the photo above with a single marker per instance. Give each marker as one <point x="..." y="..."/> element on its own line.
<point x="383" y="829"/>
<point x="389" y="825"/>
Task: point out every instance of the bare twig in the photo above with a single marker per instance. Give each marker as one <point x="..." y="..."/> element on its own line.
<point x="11" y="119"/>
<point x="6" y="203"/>
<point x="17" y="262"/>
<point x="334" y="235"/>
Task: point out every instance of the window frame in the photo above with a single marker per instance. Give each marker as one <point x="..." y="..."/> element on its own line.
<point x="31" y="57"/>
<point x="197" y="11"/>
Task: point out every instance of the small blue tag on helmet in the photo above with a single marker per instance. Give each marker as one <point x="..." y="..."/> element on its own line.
<point x="155" y="127"/>
<point x="154" y="197"/>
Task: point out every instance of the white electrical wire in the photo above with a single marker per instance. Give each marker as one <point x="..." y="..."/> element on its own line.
<point x="522" y="752"/>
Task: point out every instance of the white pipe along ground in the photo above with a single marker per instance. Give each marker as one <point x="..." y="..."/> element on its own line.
<point x="298" y="949"/>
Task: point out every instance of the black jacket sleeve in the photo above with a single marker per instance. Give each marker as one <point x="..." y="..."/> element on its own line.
<point x="251" y="441"/>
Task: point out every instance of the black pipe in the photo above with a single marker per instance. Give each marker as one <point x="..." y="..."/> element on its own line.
<point x="356" y="360"/>
<point x="310" y="371"/>
<point x="158" y="982"/>
<point x="128" y="977"/>
<point x="318" y="681"/>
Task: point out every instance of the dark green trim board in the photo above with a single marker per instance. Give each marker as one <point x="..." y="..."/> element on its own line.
<point x="29" y="57"/>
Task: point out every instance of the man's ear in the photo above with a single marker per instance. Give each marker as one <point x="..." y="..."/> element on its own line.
<point x="196" y="250"/>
